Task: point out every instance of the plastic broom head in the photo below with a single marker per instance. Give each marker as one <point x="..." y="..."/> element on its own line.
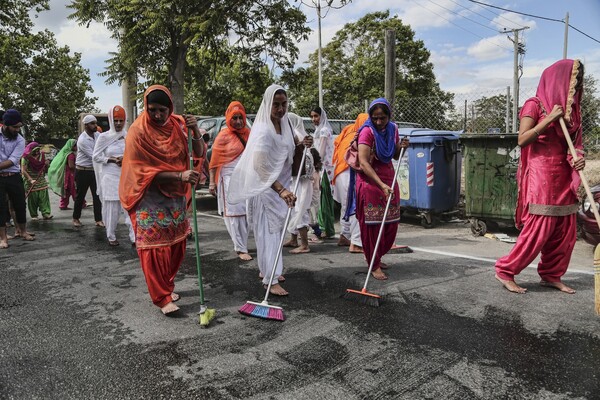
<point x="205" y="317"/>
<point x="363" y="297"/>
<point x="262" y="310"/>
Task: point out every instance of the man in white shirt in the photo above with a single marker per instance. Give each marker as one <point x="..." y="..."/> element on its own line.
<point x="84" y="171"/>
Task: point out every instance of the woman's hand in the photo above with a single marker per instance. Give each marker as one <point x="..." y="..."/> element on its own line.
<point x="556" y="113"/>
<point x="387" y="191"/>
<point x="404" y="143"/>
<point x="579" y="165"/>
<point x="308" y="141"/>
<point x="190" y="176"/>
<point x="288" y="197"/>
<point x="212" y="189"/>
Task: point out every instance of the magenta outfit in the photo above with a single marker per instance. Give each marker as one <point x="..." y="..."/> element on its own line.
<point x="547" y="203"/>
<point x="371" y="203"/>
<point x="69" y="184"/>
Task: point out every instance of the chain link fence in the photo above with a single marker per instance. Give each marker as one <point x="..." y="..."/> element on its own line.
<point x="489" y="111"/>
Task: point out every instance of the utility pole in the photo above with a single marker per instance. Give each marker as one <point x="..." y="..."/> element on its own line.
<point x="390" y="66"/>
<point x="566" y="36"/>
<point x="319" y="55"/>
<point x="518" y="49"/>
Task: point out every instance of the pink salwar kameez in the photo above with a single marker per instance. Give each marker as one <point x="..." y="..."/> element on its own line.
<point x="547" y="202"/>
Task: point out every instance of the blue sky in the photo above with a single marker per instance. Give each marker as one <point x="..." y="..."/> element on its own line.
<point x="468" y="54"/>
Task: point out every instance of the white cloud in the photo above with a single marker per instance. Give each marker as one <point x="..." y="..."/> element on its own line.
<point x="512" y="21"/>
<point x="93" y="42"/>
<point x="491" y="48"/>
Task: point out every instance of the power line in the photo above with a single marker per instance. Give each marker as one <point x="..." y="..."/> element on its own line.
<point x="460" y="27"/>
<point x="484" y="17"/>
<point x="462" y="16"/>
<point x="536" y="16"/>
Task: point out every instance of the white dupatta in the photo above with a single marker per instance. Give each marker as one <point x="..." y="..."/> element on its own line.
<point x="268" y="157"/>
<point x="324" y="140"/>
<point x="104" y="140"/>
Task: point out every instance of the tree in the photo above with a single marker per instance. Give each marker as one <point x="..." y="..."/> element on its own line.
<point x="156" y="38"/>
<point x="354" y="70"/>
<point x="42" y="80"/>
<point x="490" y="113"/>
<point x="590" y="113"/>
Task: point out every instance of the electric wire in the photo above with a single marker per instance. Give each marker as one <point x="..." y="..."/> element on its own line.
<point x="462" y="16"/>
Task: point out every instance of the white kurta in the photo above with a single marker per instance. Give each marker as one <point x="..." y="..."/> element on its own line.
<point x="234" y="215"/>
<point x="350" y="228"/>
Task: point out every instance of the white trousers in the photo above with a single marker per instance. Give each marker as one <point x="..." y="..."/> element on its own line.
<point x="238" y="231"/>
<point x="350" y="228"/>
<point x="111" y="211"/>
<point x="267" y="244"/>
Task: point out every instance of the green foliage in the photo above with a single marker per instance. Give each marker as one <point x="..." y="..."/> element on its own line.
<point x="159" y="40"/>
<point x="353" y="70"/>
<point x="490" y="112"/>
<point x="42" y="80"/>
<point x="590" y="113"/>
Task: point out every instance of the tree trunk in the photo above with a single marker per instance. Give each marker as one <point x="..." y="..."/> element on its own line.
<point x="176" y="78"/>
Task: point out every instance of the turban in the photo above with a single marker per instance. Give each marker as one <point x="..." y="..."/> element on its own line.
<point x="11" y="117"/>
<point x="88" y="119"/>
<point x="118" y="113"/>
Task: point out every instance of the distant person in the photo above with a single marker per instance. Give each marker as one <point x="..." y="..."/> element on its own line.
<point x="156" y="189"/>
<point x="323" y="139"/>
<point x="378" y="143"/>
<point x="84" y="172"/>
<point x="34" y="166"/>
<point x="61" y="174"/>
<point x="12" y="146"/>
<point x="227" y="150"/>
<point x="350" y="234"/>
<point x="548" y="179"/>
<point x="263" y="177"/>
<point x="108" y="157"/>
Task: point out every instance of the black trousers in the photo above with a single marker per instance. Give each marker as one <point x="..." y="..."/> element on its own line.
<point x="11" y="187"/>
<point x="85" y="180"/>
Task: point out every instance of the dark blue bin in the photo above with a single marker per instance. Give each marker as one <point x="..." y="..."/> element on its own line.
<point x="429" y="178"/>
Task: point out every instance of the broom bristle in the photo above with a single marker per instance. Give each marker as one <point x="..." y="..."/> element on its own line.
<point x="402" y="249"/>
<point x="206" y="316"/>
<point x="262" y="310"/>
<point x="362" y="297"/>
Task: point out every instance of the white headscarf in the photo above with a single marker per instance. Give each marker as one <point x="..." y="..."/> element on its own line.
<point x="104" y="140"/>
<point x="266" y="155"/>
<point x="324" y="140"/>
<point x="297" y="125"/>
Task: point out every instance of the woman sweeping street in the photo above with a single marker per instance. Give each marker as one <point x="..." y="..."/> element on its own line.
<point x="547" y="179"/>
<point x="350" y="234"/>
<point x="155" y="189"/>
<point x="61" y="174"/>
<point x="108" y="157"/>
<point x="378" y="143"/>
<point x="34" y="167"/>
<point x="226" y="152"/>
<point x="263" y="177"/>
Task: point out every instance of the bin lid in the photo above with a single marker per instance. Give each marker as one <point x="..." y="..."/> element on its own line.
<point x="476" y="135"/>
<point x="423" y="134"/>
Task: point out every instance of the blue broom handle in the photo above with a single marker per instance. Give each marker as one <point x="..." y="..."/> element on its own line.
<point x="387" y="207"/>
<point x="198" y="267"/>
<point x="285" y="224"/>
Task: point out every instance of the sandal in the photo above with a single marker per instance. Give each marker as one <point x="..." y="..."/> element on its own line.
<point x="113" y="242"/>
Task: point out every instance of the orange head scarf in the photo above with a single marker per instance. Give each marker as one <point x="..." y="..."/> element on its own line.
<point x="342" y="142"/>
<point x="150" y="149"/>
<point x="228" y="144"/>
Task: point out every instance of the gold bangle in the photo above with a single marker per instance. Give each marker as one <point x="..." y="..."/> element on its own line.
<point x="181" y="177"/>
<point x="536" y="132"/>
<point x="280" y="191"/>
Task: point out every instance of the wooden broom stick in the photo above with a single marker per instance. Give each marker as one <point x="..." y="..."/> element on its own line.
<point x="588" y="192"/>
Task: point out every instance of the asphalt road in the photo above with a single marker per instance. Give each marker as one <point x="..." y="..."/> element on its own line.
<point x="76" y="322"/>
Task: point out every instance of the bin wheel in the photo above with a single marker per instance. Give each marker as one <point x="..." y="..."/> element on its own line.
<point x="427" y="221"/>
<point x="478" y="227"/>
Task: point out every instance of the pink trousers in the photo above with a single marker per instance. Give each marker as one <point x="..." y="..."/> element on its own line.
<point x="554" y="237"/>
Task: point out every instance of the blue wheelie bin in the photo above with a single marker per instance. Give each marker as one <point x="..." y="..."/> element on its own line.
<point x="429" y="178"/>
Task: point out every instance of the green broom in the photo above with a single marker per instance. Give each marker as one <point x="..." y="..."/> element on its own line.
<point x="205" y="314"/>
<point x="362" y="296"/>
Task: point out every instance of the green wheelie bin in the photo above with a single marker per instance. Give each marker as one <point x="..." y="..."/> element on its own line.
<point x="490" y="165"/>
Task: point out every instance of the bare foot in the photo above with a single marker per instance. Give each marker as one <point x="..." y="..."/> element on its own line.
<point x="511" y="286"/>
<point x="379" y="275"/>
<point x="169" y="308"/>
<point x="3" y="244"/>
<point x="175" y="297"/>
<point x="558" y="285"/>
<point x="47" y="217"/>
<point x="383" y="265"/>
<point x="280" y="278"/>
<point x="300" y="249"/>
<point x="355" y="249"/>
<point x="314" y="239"/>
<point x="277" y="290"/>
<point x="290" y="243"/>
<point x="76" y="223"/>
<point x="28" y="237"/>
<point x="343" y="241"/>
<point x="100" y="224"/>
<point x="244" y="256"/>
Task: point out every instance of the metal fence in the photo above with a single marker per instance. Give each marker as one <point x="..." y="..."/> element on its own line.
<point x="483" y="112"/>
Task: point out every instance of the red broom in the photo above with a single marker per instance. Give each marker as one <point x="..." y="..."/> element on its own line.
<point x="264" y="309"/>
